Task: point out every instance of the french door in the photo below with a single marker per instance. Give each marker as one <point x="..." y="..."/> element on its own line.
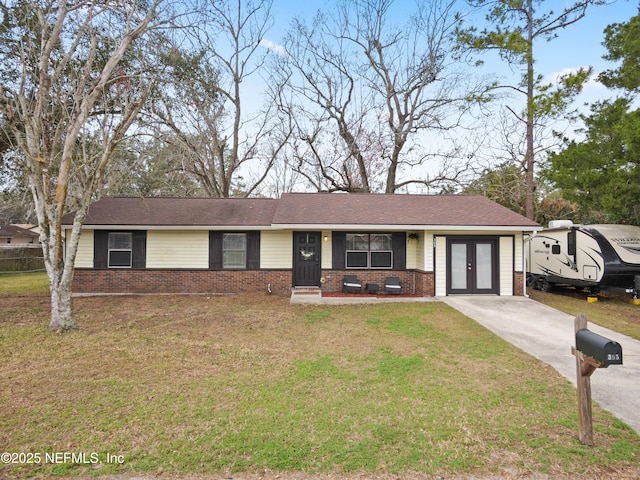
<point x="472" y="266"/>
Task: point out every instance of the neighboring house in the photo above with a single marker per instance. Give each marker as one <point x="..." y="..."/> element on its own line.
<point x="437" y="245"/>
<point x="18" y="235"/>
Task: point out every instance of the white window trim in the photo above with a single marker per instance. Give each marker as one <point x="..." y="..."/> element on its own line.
<point x="243" y="250"/>
<point x="109" y="250"/>
<point x="368" y="252"/>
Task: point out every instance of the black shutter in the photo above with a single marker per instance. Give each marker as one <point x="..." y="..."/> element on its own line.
<point x="399" y="245"/>
<point x="253" y="250"/>
<point x="139" y="250"/>
<point x="215" y="250"/>
<point x="100" y="249"/>
<point x="339" y="250"/>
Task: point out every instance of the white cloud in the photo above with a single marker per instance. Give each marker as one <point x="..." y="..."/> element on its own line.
<point x="590" y="85"/>
<point x="274" y="47"/>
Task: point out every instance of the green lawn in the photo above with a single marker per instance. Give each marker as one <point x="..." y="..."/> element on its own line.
<point x="249" y="383"/>
<point x="24" y="283"/>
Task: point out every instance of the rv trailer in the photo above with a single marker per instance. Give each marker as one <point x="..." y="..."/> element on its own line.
<point x="595" y="257"/>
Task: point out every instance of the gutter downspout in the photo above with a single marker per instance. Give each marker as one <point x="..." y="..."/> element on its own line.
<point x="524" y="261"/>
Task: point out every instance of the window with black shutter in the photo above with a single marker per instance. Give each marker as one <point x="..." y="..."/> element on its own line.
<point x="368" y="250"/>
<point x="234" y="250"/>
<point x="119" y="249"/>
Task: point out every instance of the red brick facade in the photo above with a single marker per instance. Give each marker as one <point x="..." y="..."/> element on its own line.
<point x="240" y="281"/>
<point x="518" y="284"/>
<point x="413" y="281"/>
<point x="181" y="281"/>
<point x="232" y="281"/>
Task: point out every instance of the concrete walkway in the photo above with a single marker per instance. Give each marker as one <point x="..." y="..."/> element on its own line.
<point x="548" y="334"/>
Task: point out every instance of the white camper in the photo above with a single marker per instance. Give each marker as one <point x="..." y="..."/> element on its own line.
<point x="597" y="257"/>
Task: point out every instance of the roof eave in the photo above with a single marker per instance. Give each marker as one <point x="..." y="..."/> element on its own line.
<point x="502" y="228"/>
<point x="171" y="227"/>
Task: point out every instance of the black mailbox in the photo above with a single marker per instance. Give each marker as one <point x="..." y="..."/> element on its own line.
<point x="605" y="351"/>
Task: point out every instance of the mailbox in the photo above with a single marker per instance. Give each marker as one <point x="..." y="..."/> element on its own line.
<point x="605" y="351"/>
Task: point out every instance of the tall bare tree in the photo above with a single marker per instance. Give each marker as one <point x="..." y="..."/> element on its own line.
<point x="208" y="103"/>
<point x="68" y="98"/>
<point x="366" y="93"/>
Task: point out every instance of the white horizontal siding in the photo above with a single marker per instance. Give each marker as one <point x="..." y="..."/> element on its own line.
<point x="427" y="253"/>
<point x="518" y="255"/>
<point x="176" y="249"/>
<point x="412" y="246"/>
<point x="506" y="266"/>
<point x="327" y="250"/>
<point x="84" y="254"/>
<point x="276" y="249"/>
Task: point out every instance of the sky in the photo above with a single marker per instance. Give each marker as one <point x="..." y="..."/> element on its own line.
<point x="579" y="45"/>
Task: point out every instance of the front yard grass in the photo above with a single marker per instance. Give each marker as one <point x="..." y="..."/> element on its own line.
<point x="250" y="383"/>
<point x="24" y="283"/>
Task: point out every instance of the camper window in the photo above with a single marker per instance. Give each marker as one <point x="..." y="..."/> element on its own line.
<point x="571" y="242"/>
<point x="555" y="249"/>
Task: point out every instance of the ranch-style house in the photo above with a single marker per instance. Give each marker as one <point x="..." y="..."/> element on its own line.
<point x="436" y="245"/>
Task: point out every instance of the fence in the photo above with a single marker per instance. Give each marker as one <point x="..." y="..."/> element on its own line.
<point x="23" y="258"/>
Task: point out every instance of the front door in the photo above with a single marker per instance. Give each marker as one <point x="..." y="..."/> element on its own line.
<point x="306" y="259"/>
<point x="472" y="266"/>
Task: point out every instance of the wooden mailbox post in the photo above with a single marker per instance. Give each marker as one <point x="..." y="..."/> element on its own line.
<point x="592" y="351"/>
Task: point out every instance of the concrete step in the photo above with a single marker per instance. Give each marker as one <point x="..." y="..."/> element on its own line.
<point x="306" y="295"/>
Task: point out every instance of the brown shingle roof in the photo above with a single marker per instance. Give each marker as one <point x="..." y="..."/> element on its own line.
<point x="241" y="212"/>
<point x="312" y="209"/>
<point x="16" y="231"/>
<point x="373" y="209"/>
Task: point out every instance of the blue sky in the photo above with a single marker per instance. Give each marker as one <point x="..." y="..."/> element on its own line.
<point x="579" y="45"/>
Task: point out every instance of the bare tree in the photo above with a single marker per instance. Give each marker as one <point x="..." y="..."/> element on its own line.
<point x="206" y="102"/>
<point x="68" y="99"/>
<point x="365" y="93"/>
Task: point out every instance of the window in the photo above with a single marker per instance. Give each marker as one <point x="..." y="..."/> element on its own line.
<point x="234" y="250"/>
<point x="369" y="250"/>
<point x="120" y="250"/>
<point x="571" y="242"/>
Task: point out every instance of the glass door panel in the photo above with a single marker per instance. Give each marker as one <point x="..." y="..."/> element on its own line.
<point x="484" y="266"/>
<point x="459" y="263"/>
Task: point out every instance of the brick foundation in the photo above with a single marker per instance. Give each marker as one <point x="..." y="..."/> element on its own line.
<point x="239" y="281"/>
<point x="413" y="281"/>
<point x="518" y="284"/>
<point x="181" y="281"/>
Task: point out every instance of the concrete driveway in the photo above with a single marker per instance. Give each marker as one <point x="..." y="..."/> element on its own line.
<point x="548" y="334"/>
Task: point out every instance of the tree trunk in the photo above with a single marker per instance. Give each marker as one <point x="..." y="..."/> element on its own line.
<point x="60" y="280"/>
<point x="61" y="306"/>
<point x="529" y="154"/>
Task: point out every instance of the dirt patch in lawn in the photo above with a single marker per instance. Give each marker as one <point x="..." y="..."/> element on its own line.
<point x="612" y="310"/>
